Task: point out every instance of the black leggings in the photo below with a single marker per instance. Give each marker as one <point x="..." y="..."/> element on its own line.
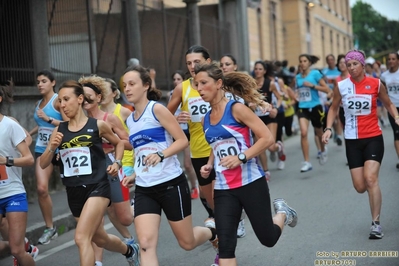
<point x="255" y="199"/>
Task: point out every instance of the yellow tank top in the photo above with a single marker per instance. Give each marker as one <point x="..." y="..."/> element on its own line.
<point x="193" y="103"/>
<point x="128" y="156"/>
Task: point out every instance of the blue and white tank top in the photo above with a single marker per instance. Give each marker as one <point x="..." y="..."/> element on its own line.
<point x="228" y="137"/>
<point x="45" y="129"/>
<point x="147" y="135"/>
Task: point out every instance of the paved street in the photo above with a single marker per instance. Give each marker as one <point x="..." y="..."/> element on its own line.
<point x="333" y="220"/>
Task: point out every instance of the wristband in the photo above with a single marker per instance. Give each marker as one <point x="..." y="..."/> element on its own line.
<point x="327" y="128"/>
<point x="9" y="161"/>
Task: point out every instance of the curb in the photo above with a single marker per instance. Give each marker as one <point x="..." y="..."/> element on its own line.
<point x="63" y="223"/>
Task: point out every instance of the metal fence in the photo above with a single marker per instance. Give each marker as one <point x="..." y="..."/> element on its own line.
<point x="88" y="36"/>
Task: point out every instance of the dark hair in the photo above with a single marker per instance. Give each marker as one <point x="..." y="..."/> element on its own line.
<point x="198" y="49"/>
<point x="77" y="89"/>
<point x="284" y="63"/>
<point x="47" y="74"/>
<point x="340" y="56"/>
<point x="114" y="87"/>
<point x="312" y="58"/>
<point x="237" y="83"/>
<point x="180" y="73"/>
<point x="268" y="67"/>
<point x="231" y="57"/>
<point x="6" y="93"/>
<point x="329" y="56"/>
<point x="153" y="94"/>
<point x="396" y="53"/>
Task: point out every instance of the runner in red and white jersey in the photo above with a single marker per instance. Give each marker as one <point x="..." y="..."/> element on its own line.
<point x="363" y="137"/>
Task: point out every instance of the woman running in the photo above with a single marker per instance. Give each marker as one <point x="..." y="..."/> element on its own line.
<point x="363" y="136"/>
<point x="308" y="83"/>
<point x="84" y="173"/>
<point x="160" y="182"/>
<point x="178" y="78"/>
<point x="14" y="154"/>
<point x="120" y="211"/>
<point x="193" y="110"/>
<point x="240" y="181"/>
<point x="48" y="115"/>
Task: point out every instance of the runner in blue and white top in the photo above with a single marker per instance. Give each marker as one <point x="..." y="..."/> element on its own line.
<point x="240" y="182"/>
<point x="47" y="116"/>
<point x="160" y="182"/>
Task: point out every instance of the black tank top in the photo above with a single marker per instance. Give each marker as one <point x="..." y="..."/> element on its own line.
<point x="265" y="90"/>
<point x="81" y="155"/>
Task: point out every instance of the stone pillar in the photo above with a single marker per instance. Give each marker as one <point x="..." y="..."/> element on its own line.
<point x="133" y="36"/>
<point x="193" y="23"/>
<point x="40" y="38"/>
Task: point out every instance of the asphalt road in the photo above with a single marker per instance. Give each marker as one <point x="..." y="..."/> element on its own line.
<point x="333" y="227"/>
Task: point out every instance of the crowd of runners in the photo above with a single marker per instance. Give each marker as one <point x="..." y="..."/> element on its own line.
<point x="229" y="125"/>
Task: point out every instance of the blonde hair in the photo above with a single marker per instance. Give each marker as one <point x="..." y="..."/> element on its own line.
<point x="95" y="82"/>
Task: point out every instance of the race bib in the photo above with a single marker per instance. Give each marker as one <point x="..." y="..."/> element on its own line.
<point x="393" y="89"/>
<point x="197" y="108"/>
<point x="222" y="149"/>
<point x="358" y="104"/>
<point x="43" y="136"/>
<point x="304" y="94"/>
<point x="76" y="161"/>
<point x="3" y="176"/>
<point x="140" y="167"/>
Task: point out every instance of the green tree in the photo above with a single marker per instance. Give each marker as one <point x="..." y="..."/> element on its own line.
<point x="374" y="32"/>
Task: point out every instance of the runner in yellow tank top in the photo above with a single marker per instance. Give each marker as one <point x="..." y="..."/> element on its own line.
<point x="193" y="109"/>
<point x="193" y="104"/>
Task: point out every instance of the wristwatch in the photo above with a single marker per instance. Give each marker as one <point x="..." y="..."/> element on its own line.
<point x="160" y="154"/>
<point x="242" y="157"/>
<point x="327" y="128"/>
<point x="50" y="120"/>
<point x="118" y="162"/>
<point x="9" y="161"/>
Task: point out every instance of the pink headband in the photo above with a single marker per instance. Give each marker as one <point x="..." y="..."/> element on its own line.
<point x="355" y="55"/>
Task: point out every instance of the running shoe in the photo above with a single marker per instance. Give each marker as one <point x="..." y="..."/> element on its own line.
<point x="318" y="154"/>
<point x="48" y="234"/>
<point x="280" y="165"/>
<point x="210" y="222"/>
<point x="306" y="166"/>
<point x="323" y="158"/>
<point x="376" y="231"/>
<point x="281" y="154"/>
<point x="397" y="165"/>
<point x="291" y="216"/>
<point x="31" y="249"/>
<point x="273" y="156"/>
<point x="216" y="263"/>
<point x="267" y="175"/>
<point x="194" y="193"/>
<point x="134" y="259"/>
<point x="241" y="229"/>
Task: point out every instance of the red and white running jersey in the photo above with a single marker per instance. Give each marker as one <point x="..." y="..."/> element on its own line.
<point x="359" y="100"/>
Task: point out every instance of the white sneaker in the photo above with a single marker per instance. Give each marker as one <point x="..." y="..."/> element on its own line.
<point x="280" y="165"/>
<point x="241" y="229"/>
<point x="323" y="158"/>
<point x="210" y="223"/>
<point x="306" y="166"/>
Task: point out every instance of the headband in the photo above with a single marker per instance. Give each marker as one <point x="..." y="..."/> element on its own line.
<point x="355" y="55"/>
<point x="92" y="86"/>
